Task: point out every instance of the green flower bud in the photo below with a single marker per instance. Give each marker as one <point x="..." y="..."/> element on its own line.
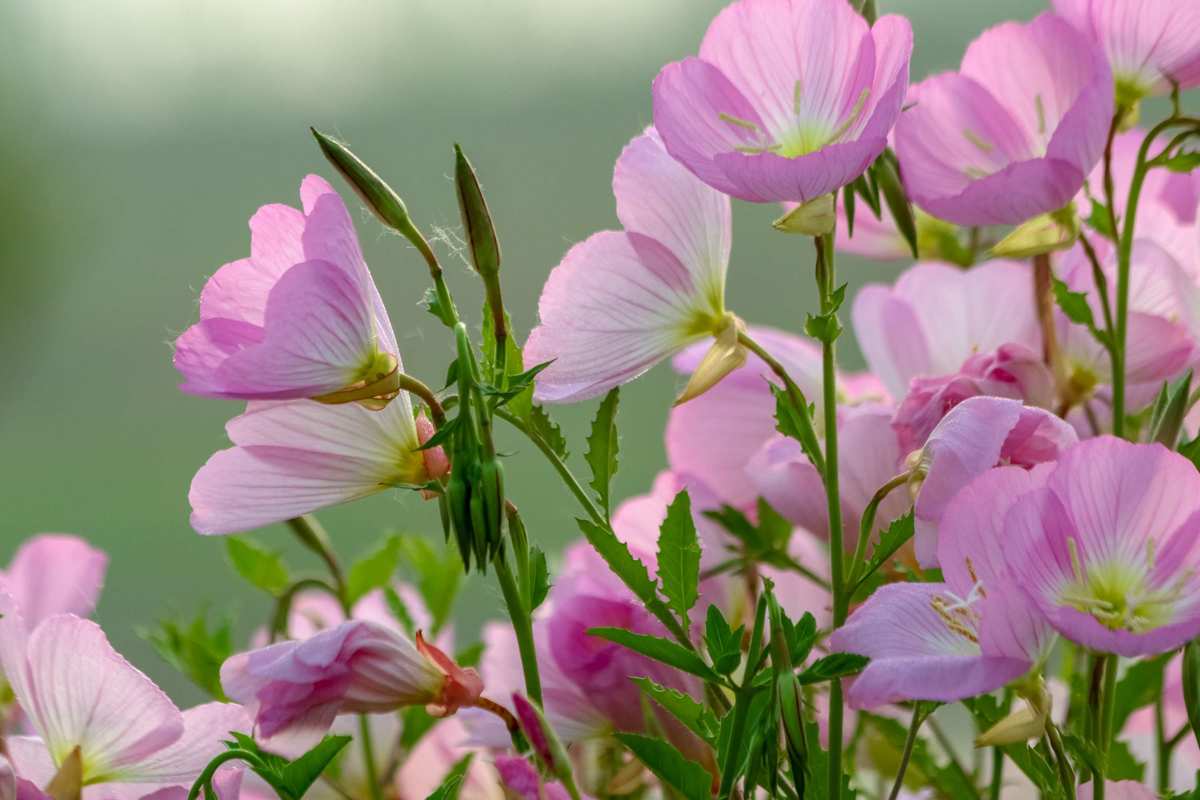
<point x="378" y="196"/>
<point x="477" y="220"/>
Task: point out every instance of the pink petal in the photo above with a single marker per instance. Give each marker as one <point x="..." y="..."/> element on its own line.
<point x="616" y="305"/>
<point x="54" y="574"/>
<point x="1117" y="790"/>
<point x="238" y="290"/>
<point x="204" y="728"/>
<point x="78" y="691"/>
<point x="660" y="199"/>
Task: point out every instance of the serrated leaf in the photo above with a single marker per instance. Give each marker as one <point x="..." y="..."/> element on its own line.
<point x="195" y="649"/>
<point x="796" y="422"/>
<point x="616" y="554"/>
<point x="835" y="665"/>
<point x="694" y="715"/>
<point x="890" y="540"/>
<point x="452" y="784"/>
<point x="258" y="566"/>
<point x="679" y="557"/>
<point x="724" y="644"/>
<point x="541" y="425"/>
<point x="431" y="303"/>
<point x="299" y="775"/>
<point x="1074" y="304"/>
<point x="682" y="774"/>
<point x="519" y="403"/>
<point x="657" y="648"/>
<point x="374" y="570"/>
<point x="602" y="448"/>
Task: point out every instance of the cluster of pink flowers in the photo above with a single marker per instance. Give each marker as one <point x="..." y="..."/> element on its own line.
<point x="1008" y="490"/>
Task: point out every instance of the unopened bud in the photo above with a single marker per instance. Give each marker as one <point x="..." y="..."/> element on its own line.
<point x="814" y="218"/>
<point x="1043" y="234"/>
<point x="481" y="234"/>
<point x="378" y="196"/>
<point x="725" y="355"/>
<point x="1024" y="724"/>
<point x="547" y="748"/>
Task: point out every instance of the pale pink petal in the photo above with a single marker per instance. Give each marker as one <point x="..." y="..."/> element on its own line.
<point x="54" y="573"/>
<point x="239" y="290"/>
<point x="433" y="756"/>
<point x="1118" y="790"/>
<point x="787" y="480"/>
<point x="890" y="336"/>
<point x="204" y="728"/>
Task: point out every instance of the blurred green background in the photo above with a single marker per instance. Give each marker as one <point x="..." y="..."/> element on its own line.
<point x="138" y="138"/>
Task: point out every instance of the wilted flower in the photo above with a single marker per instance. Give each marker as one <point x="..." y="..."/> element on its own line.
<point x="1108" y="549"/>
<point x="621" y="301"/>
<point x="788" y="99"/>
<point x="1014" y="132"/>
<point x="300" y="317"/>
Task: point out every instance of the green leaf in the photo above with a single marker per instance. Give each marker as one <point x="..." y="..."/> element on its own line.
<point x="299" y="775"/>
<point x="438" y="576"/>
<point x="682" y="774"/>
<point x="1123" y="765"/>
<point x="431" y="303"/>
<point x="890" y="540"/>
<point x="1191" y="686"/>
<point x="1074" y="304"/>
<point x="453" y="782"/>
<point x="616" y="554"/>
<point x="470" y="655"/>
<point x="399" y="610"/>
<point x="887" y="174"/>
<point x="848" y="204"/>
<point x="547" y="430"/>
<point x="195" y="649"/>
<point x="796" y="422"/>
<point x="1182" y="162"/>
<point x="946" y="779"/>
<point x="1191" y="451"/>
<point x="659" y="649"/>
<point x="823" y="327"/>
<point x="602" y="448"/>
<point x="801" y="637"/>
<point x="986" y="711"/>
<point x="835" y="665"/>
<point x="539" y="578"/>
<point x="374" y="570"/>
<point x="694" y="715"/>
<point x="415" y="723"/>
<point x="679" y="557"/>
<point x="1139" y="687"/>
<point x="1100" y="220"/>
<point x="724" y="644"/>
<point x="261" y="568"/>
<point x="1166" y="422"/>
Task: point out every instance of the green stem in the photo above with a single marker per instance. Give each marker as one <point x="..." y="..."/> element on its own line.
<point x="204" y="781"/>
<point x="312" y="535"/>
<point x="951" y="756"/>
<point x="789" y="385"/>
<point x="283" y="604"/>
<point x="522" y="626"/>
<point x="997" y="782"/>
<point x="368" y="748"/>
<point x="1065" y="773"/>
<point x="868" y="523"/>
<point x="826" y="281"/>
<point x="1162" y="750"/>
<point x="905" y="756"/>
<point x="1104" y="674"/>
<point x="414" y="386"/>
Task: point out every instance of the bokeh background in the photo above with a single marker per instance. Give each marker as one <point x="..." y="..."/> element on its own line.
<point x="138" y="137"/>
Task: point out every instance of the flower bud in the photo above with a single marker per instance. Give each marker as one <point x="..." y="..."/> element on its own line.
<point x="1024" y="724"/>
<point x="547" y="748"/>
<point x="378" y="196"/>
<point x="814" y="218"/>
<point x="725" y="355"/>
<point x="477" y="220"/>
<point x="1044" y="233"/>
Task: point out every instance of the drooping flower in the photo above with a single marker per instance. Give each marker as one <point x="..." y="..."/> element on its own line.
<point x="970" y="635"/>
<point x="978" y="434"/>
<point x="787" y="100"/>
<point x="300" y="317"/>
<point x="1109" y="548"/>
<point x="1150" y="44"/>
<point x="79" y="694"/>
<point x="937" y="316"/>
<point x="295" y="689"/>
<point x="1014" y="132"/>
<point x="54" y="573"/>
<point x="622" y="301"/>
<point x="295" y="457"/>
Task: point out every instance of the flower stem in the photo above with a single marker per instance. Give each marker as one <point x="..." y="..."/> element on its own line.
<point x="1043" y="300"/>
<point x="1162" y="748"/>
<point x="910" y="741"/>
<point x="867" y="524"/>
<point x="1104" y="681"/>
<point x="368" y="749"/>
<point x="312" y="535"/>
<point x="522" y="626"/>
<point x="1065" y="774"/>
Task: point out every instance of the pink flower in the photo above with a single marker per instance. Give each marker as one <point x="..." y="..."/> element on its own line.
<point x="788" y="99"/>
<point x="1013" y="371"/>
<point x="621" y="301"/>
<point x="300" y="317"/>
<point x="1118" y="790"/>
<point x="522" y="780"/>
<point x="977" y="435"/>
<point x="970" y="635"/>
<point x="295" y="457"/>
<point x="435" y="754"/>
<point x="54" y="573"/>
<point x="937" y="316"/>
<point x="1109" y="548"/>
<point x="296" y="688"/>
<point x="1014" y="132"/>
<point x="79" y="693"/>
<point x="1149" y="43"/>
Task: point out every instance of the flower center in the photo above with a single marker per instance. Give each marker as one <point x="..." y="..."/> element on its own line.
<point x="806" y="133"/>
<point x="1119" y="594"/>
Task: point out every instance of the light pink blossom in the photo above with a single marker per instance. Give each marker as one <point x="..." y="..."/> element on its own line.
<point x="1117" y="790"/>
<point x="1014" y="132"/>
<point x="54" y="573"/>
<point x="787" y="100"/>
<point x="1109" y="548"/>
<point x="622" y="301"/>
<point x="300" y="317"/>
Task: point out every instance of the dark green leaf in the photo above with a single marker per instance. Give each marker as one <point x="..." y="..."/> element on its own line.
<point x="453" y="782"/>
<point x="258" y="566"/>
<point x="887" y="175"/>
<point x="539" y="578"/>
<point x="547" y="430"/>
<point x="682" y="774"/>
<point x="890" y="540"/>
<point x="1100" y="220"/>
<point x="1191" y="685"/>
<point x="679" y="557"/>
<point x="300" y="774"/>
<point x="796" y="421"/>
<point x="1167" y="420"/>
<point x="1123" y="765"/>
<point x="616" y="554"/>
<point x="1182" y="162"/>
<point x="801" y="637"/>
<point x="659" y="649"/>
<point x="835" y="665"/>
<point x="442" y="435"/>
<point x="694" y="715"/>
<point x="724" y="644"/>
<point x="1139" y="687"/>
<point x="399" y="610"/>
<point x="195" y="649"/>
<point x="1074" y="304"/>
<point x="374" y="570"/>
<point x="823" y="327"/>
<point x="602" y="448"/>
<point x="848" y="204"/>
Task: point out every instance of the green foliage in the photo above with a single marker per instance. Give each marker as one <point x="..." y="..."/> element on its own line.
<point x="1075" y="305"/>
<point x="539" y="578"/>
<point x="1191" y="686"/>
<point x="415" y="723"/>
<point x="616" y="554"/>
<point x="796" y="421"/>
<point x="724" y="645"/>
<point x="890" y="540"/>
<point x="1184" y="161"/>
<point x="399" y="611"/>
<point x="452" y="784"/>
<point x="1170" y="407"/>
<point x="659" y="649"/>
<point x="1139" y="687"/>
<point x="685" y="776"/>
<point x="947" y="779"/>
<point x="290" y="779"/>
<point x="679" y="557"/>
<point x="835" y="665"/>
<point x="195" y="649"/>
<point x="886" y="173"/>
<point x="374" y="570"/>
<point x="603" y="445"/>
<point x="438" y="576"/>
<point x="547" y="430"/>
<point x="262" y="568"/>
<point x="1100" y="220"/>
<point x="694" y="715"/>
<point x="1037" y="767"/>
